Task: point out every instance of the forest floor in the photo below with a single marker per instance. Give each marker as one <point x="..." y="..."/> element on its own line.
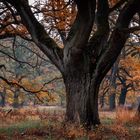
<point x="46" y="123"/>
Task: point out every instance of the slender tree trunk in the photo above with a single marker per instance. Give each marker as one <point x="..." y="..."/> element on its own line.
<point x="16" y="99"/>
<point x="112" y="103"/>
<point x="138" y="112"/>
<point x="112" y="97"/>
<point x="122" y="96"/>
<point x="3" y="94"/>
<point x="102" y="100"/>
<point x="2" y="103"/>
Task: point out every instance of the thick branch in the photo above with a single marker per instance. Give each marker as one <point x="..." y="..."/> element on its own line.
<point x="98" y="41"/>
<point x="82" y="26"/>
<point x="38" y="33"/>
<point x="118" y="37"/>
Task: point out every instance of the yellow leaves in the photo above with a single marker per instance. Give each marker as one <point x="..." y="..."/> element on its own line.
<point x="38" y="79"/>
<point x="9" y="92"/>
<point x="47" y="96"/>
<point x="9" y="95"/>
<point x="37" y="86"/>
<point x="3" y="84"/>
<point x="21" y="97"/>
<point x="26" y="83"/>
<point x="42" y="95"/>
<point x="34" y="86"/>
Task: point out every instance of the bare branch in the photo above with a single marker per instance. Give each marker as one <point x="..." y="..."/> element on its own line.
<point x="23" y="62"/>
<point x="38" y="33"/>
<point x="27" y="90"/>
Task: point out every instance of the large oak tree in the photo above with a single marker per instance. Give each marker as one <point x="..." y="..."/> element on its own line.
<point x="86" y="56"/>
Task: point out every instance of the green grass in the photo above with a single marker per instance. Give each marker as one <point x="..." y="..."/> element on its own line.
<point x="107" y="121"/>
<point x="21" y="127"/>
<point x="83" y="138"/>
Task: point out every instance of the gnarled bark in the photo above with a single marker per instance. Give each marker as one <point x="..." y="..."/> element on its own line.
<point x="82" y="99"/>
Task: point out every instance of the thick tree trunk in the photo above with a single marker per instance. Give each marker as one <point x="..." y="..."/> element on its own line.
<point x="82" y="99"/>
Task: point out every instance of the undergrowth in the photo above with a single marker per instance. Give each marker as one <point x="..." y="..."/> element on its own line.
<point x="36" y="124"/>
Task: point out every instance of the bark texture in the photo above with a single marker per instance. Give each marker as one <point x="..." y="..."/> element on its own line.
<point x="82" y="99"/>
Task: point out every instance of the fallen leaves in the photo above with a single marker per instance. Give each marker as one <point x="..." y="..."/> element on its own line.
<point x="35" y="123"/>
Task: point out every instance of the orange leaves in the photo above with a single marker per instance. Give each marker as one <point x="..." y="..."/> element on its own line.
<point x="113" y="2"/>
<point x="73" y="131"/>
<point x="59" y="13"/>
<point x="131" y="63"/>
<point x="14" y="29"/>
<point x="10" y="26"/>
<point x="123" y="115"/>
